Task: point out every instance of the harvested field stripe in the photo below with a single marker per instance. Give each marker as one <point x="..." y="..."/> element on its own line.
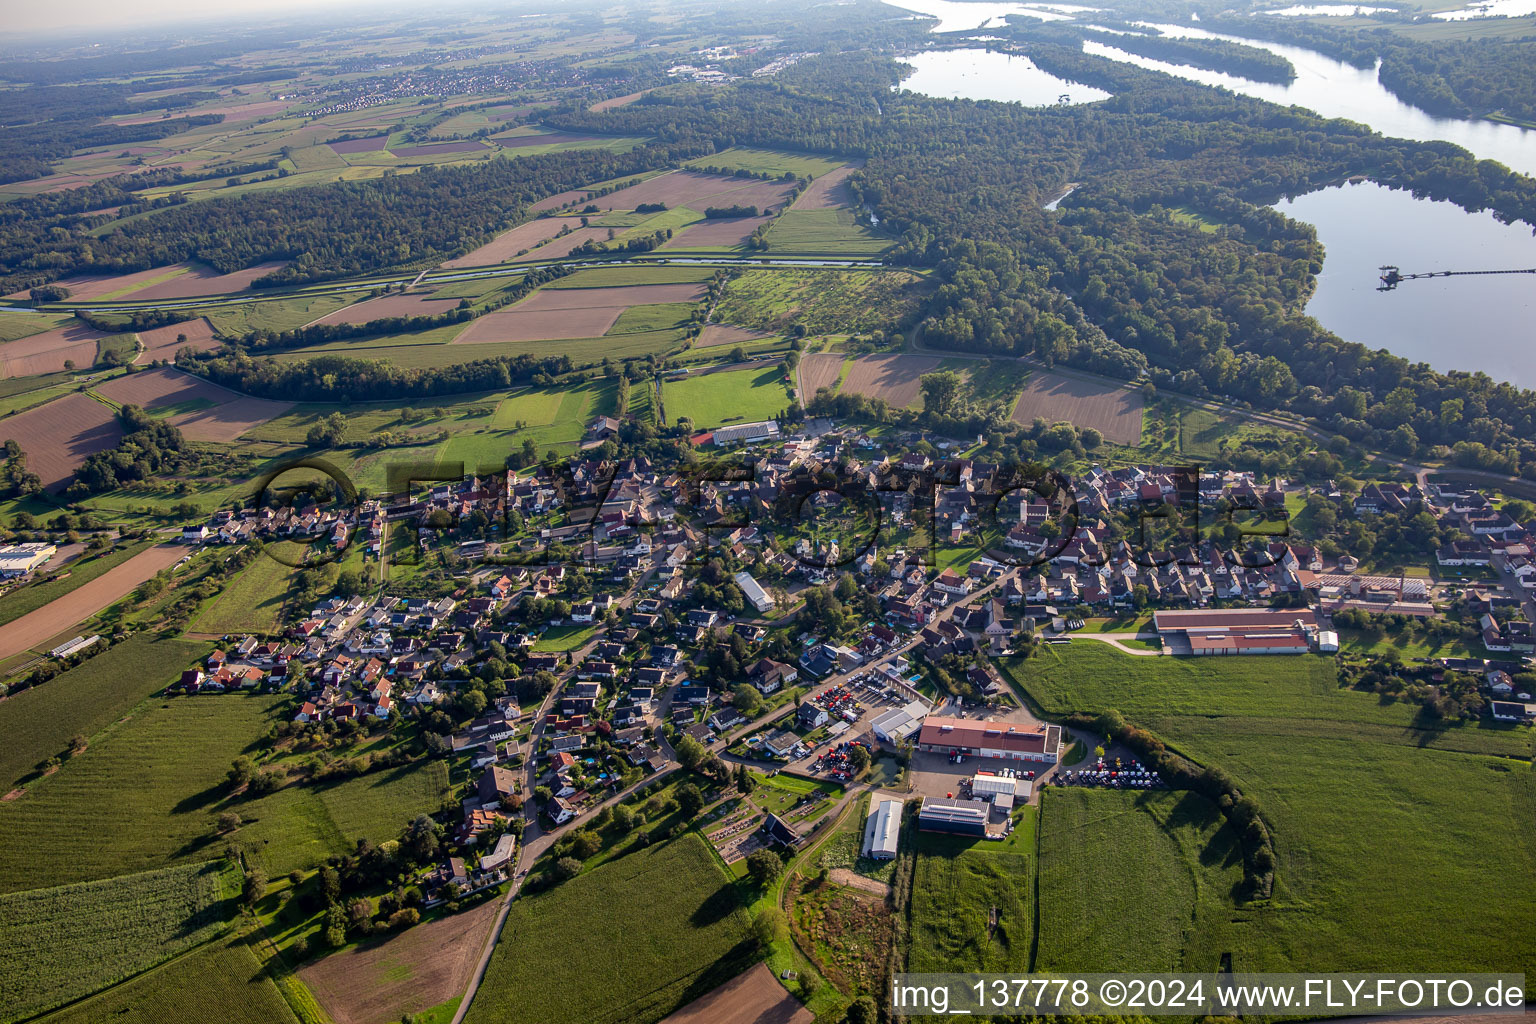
<point x="80" y="604"/>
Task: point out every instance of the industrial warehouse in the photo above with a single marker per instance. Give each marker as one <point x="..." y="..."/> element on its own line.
<point x="990" y="739"/>
<point x="1244" y="631"/>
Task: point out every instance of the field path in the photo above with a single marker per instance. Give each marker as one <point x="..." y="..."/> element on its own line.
<point x="59" y="615"/>
<point x="1117" y="641"/>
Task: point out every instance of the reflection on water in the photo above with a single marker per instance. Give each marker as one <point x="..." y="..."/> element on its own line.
<point x="1489" y="9"/>
<point x="955" y="16"/>
<point x="1335" y="89"/>
<point x="984" y="75"/>
<point x="1455" y="323"/>
<point x="1327" y="11"/>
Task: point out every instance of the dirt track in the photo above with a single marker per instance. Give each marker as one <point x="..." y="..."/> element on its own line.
<point x="61" y="614"/>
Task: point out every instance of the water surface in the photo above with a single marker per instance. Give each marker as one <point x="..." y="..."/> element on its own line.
<point x="1455" y="323"/>
<point x="987" y="75"/>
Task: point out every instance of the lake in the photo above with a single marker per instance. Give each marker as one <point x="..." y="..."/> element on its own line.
<point x="1456" y="323"/>
<point x="986" y="75"/>
<point x="1335" y="89"/>
<point x="956" y="16"/>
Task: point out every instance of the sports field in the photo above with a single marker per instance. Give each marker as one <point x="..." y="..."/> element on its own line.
<point x="687" y="935"/>
<point x="731" y="396"/>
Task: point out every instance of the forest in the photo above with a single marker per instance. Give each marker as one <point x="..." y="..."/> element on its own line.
<point x="1112" y="283"/>
<point x="1213" y="54"/>
<point x="327" y="231"/>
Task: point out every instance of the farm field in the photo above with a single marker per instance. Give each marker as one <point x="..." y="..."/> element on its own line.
<point x="632" y="274"/>
<point x="821" y="370"/>
<point x="1335" y="772"/>
<point x="824" y="232"/>
<point x="896" y="379"/>
<point x="550" y="315"/>
<point x="1125" y="877"/>
<point x="38" y="723"/>
<point x="716" y="233"/>
<point x="194" y="281"/>
<point x="413" y="351"/>
<point x="956" y="883"/>
<point x="176" y="753"/>
<point x="661" y="316"/>
<point x="407" y="973"/>
<point x="697" y="192"/>
<point x="1092" y="677"/>
<point x="222" y="981"/>
<point x="76" y="605"/>
<point x="822" y="301"/>
<point x="427" y="415"/>
<point x="203" y="410"/>
<point x="828" y="191"/>
<point x="15" y="325"/>
<point x="715" y="335"/>
<point x="47" y="352"/>
<point x="773" y="161"/>
<point x="755" y="997"/>
<point x="683" y="939"/>
<point x="731" y="396"/>
<point x="396" y="304"/>
<point x="53" y="583"/>
<point x="165" y="342"/>
<point x="239" y="318"/>
<point x="64" y="943"/>
<point x="1114" y="412"/>
<point x="509" y="244"/>
<point x="1351" y="814"/>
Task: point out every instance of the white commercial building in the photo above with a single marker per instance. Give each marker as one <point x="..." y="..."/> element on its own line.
<point x="20" y="559"/>
<point x="986" y="787"/>
<point x="900" y="724"/>
<point x="882" y="829"/>
<point x="760" y="598"/>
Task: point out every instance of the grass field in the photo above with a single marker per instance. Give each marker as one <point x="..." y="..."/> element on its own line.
<point x="564" y="638"/>
<point x="956" y="884"/>
<point x="824" y="232"/>
<point x="450" y="412"/>
<point x="222" y="981"/>
<point x="153" y="786"/>
<point x="38" y="723"/>
<point x="775" y="162"/>
<point x="630" y="274"/>
<point x="23" y="325"/>
<point x="823" y="301"/>
<point x="65" y="943"/>
<point x="1359" y="794"/>
<point x="662" y="316"/>
<point x="253" y="600"/>
<point x="660" y="927"/>
<point x="1092" y="677"/>
<point x="430" y="349"/>
<point x="50" y="587"/>
<point x="718" y="399"/>
<point x="1126" y="877"/>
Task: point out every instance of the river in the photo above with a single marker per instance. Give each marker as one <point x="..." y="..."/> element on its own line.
<point x="1456" y="323"/>
<point x="1335" y="89"/>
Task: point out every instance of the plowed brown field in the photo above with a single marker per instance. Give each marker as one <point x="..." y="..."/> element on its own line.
<point x="729" y="231"/>
<point x="46" y="352"/>
<point x="509" y="243"/>
<point x="893" y="378"/>
<point x="58" y="436"/>
<point x="557" y="313"/>
<point x="725" y="334"/>
<point x="828" y="192"/>
<point x="1115" y="412"/>
<point x="162" y="343"/>
<point x="755" y="997"/>
<point x="223" y="414"/>
<point x="819" y="371"/>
